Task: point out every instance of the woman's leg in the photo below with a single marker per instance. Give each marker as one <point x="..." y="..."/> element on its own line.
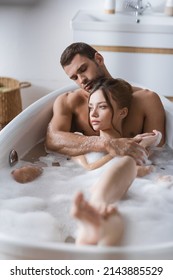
<point x="114" y="182"/>
<point x="99" y="222"/>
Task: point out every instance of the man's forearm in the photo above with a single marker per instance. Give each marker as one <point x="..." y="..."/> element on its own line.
<point x="72" y="144"/>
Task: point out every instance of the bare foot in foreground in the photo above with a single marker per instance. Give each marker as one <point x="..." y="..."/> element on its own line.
<point x="26" y="174"/>
<point x="95" y="227"/>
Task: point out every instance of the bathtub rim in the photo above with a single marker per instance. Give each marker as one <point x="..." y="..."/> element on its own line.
<point x="39" y="110"/>
<point x="58" y="250"/>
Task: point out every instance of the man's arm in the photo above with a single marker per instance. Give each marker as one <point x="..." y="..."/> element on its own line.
<point x="71" y="144"/>
<point x="155" y="118"/>
<point x="154" y="114"/>
<point x="74" y="145"/>
<point x="60" y="139"/>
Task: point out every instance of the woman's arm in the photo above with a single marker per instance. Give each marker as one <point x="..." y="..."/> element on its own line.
<point x="91" y="166"/>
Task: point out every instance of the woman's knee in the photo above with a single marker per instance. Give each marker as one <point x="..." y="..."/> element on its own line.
<point x="130" y="164"/>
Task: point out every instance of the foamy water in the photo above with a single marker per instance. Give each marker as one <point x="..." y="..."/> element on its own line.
<point x="39" y="210"/>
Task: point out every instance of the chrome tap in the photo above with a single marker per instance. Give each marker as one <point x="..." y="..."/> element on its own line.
<point x="137" y="6"/>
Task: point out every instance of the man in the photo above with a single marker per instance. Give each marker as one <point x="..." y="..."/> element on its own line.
<point x="84" y="65"/>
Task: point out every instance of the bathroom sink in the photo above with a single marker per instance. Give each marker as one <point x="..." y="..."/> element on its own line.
<point x="124" y="22"/>
<point x="146" y="42"/>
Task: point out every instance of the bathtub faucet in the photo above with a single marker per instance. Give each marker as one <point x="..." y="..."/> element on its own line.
<point x="137" y="6"/>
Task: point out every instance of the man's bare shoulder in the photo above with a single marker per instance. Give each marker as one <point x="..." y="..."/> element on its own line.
<point x="146" y="95"/>
<point x="149" y="103"/>
<point x="143" y="92"/>
<point x="70" y="98"/>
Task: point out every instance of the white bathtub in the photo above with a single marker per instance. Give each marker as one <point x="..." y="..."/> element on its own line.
<point x="22" y="134"/>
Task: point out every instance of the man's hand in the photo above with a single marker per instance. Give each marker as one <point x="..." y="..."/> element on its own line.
<point x="151" y="139"/>
<point x="127" y="146"/>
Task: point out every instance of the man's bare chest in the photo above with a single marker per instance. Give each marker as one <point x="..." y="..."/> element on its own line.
<point x="133" y="125"/>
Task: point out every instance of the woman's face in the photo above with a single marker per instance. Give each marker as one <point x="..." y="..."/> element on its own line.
<point x="100" y="112"/>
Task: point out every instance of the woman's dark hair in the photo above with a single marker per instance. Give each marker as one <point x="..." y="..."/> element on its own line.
<point x="115" y="89"/>
<point x="74" y="49"/>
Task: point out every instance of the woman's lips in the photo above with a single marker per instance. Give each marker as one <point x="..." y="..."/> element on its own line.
<point x="95" y="122"/>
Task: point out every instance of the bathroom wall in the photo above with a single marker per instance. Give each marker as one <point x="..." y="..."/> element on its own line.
<point x="33" y="34"/>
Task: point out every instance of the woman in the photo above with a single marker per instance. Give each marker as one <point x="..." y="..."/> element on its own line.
<point x="100" y="222"/>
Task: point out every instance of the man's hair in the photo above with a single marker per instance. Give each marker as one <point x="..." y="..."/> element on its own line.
<point x="74" y="49"/>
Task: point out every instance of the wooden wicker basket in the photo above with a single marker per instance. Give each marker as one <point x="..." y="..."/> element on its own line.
<point x="10" y="99"/>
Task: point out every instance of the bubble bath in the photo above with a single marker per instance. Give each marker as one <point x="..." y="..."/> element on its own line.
<point x="35" y="220"/>
<point x="39" y="210"/>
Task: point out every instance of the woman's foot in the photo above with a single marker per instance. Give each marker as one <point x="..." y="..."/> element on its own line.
<point x="95" y="227"/>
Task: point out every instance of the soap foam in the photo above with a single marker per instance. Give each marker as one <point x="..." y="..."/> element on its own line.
<point x="39" y="210"/>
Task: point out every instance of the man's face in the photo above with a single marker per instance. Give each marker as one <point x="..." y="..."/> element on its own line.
<point x="85" y="71"/>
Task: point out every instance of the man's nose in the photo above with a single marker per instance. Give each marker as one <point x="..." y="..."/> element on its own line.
<point x="82" y="79"/>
